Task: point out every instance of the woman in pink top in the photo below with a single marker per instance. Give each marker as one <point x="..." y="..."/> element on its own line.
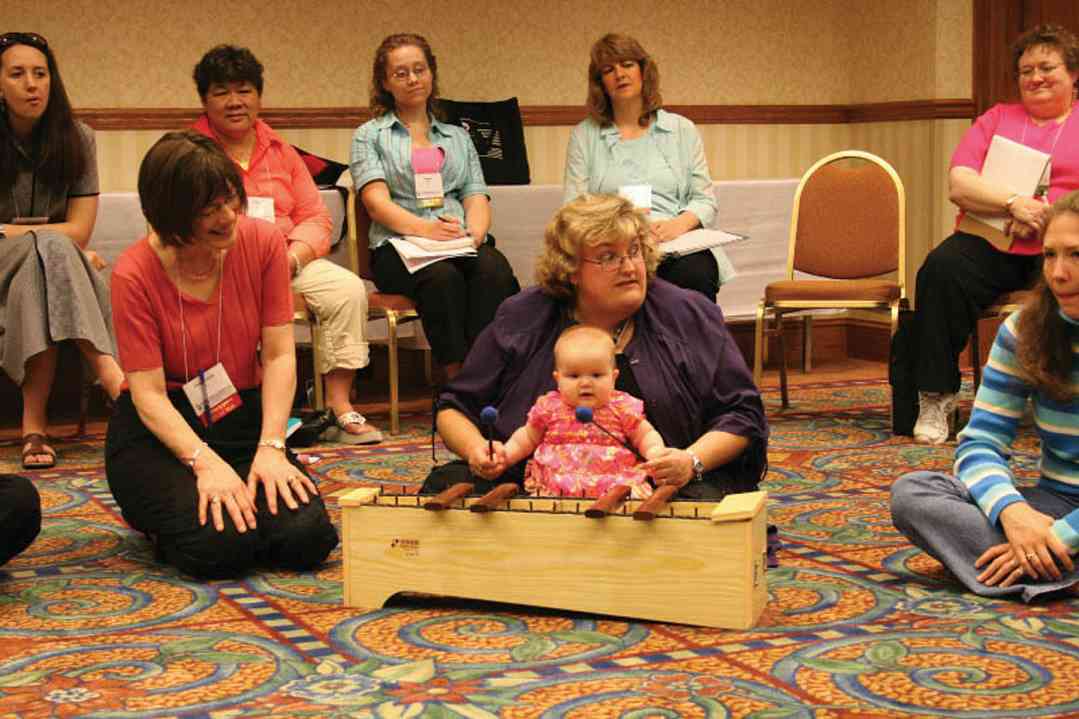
<point x="965" y="273"/>
<point x="195" y="454"/>
<point x="280" y="190"/>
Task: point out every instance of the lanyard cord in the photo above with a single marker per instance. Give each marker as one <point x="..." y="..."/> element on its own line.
<point x="1026" y="121"/>
<point x="220" y="305"/>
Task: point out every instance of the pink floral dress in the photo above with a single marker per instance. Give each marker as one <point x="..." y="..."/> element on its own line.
<point x="581" y="460"/>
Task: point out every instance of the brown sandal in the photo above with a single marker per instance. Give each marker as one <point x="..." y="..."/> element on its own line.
<point x="34" y="444"/>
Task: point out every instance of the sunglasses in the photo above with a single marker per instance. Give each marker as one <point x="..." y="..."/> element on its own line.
<point x="23" y="38"/>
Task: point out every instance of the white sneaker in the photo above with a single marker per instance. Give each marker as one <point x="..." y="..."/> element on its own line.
<point x="934" y="411"/>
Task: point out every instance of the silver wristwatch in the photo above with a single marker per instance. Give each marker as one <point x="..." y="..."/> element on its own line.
<point x="698" y="467"/>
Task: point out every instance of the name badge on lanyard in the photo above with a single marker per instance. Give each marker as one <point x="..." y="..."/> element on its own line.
<point x="261" y="208"/>
<point x="212" y="394"/>
<point x="639" y="195"/>
<point x="427" y="165"/>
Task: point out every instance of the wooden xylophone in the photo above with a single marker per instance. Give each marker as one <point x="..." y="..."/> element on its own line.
<point x="697" y="563"/>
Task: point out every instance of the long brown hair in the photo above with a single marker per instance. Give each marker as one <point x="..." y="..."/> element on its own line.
<point x="1043" y="342"/>
<point x="614" y="48"/>
<point x="58" y="148"/>
<point x="381" y="98"/>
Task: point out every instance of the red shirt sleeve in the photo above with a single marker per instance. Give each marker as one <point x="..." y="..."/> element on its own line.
<point x="138" y="334"/>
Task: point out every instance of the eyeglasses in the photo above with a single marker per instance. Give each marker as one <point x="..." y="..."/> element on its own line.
<point x="23" y="38"/>
<point x="612" y="261"/>
<point x="402" y="74"/>
<point x="1044" y="69"/>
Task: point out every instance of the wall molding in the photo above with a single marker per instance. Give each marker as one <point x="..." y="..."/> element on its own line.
<point x="553" y="115"/>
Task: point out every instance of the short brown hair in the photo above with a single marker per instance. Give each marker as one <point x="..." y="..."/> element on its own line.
<point x="588" y="221"/>
<point x="381" y="98"/>
<point x="181" y="175"/>
<point x="1054" y="37"/>
<point x="610" y="49"/>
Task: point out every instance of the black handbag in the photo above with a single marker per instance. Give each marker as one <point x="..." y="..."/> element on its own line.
<point x="497" y="132"/>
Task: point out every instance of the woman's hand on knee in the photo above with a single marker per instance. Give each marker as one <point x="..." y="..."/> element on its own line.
<point x="1001" y="566"/>
<point x="1033" y="542"/>
<point x="221" y="490"/>
<point x="279" y="479"/>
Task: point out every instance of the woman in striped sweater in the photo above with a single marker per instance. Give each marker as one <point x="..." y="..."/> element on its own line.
<point x="997" y="538"/>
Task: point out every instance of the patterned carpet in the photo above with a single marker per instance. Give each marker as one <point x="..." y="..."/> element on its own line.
<point x="859" y="624"/>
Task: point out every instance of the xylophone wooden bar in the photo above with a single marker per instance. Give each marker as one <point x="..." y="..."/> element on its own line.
<point x="490" y="501"/>
<point x="603" y="506"/>
<point x="654" y="505"/>
<point x="695" y="563"/>
<point x="446" y="499"/>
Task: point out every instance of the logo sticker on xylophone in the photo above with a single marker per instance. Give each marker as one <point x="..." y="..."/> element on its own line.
<point x="405" y="547"/>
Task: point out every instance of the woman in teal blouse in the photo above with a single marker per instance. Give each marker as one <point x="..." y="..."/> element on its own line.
<point x="629" y="145"/>
<point x="404" y="146"/>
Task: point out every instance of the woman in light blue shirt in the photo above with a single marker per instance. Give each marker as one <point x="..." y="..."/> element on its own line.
<point x="629" y="145"/>
<point x="404" y="147"/>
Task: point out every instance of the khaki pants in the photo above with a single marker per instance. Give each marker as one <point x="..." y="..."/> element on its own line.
<point x="339" y="299"/>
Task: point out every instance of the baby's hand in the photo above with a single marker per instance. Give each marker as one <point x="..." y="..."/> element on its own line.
<point x="487" y="461"/>
<point x="655" y="452"/>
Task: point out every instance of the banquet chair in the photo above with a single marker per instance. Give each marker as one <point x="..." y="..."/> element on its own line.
<point x="848" y="230"/>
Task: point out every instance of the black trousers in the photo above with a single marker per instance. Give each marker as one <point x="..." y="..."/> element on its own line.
<point x="158" y="495"/>
<point x="20" y="515"/>
<point x="456" y="298"/>
<point x="697" y="271"/>
<point x="958" y="280"/>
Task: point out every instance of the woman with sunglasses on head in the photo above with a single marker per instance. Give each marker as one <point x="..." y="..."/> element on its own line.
<point x="630" y="145"/>
<point x="49" y="289"/>
<point x="195" y="455"/>
<point x="421" y="177"/>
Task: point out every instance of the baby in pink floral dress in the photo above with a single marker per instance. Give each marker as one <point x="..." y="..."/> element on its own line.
<point x="574" y="458"/>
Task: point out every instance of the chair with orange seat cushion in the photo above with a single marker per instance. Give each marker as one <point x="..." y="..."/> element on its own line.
<point x="848" y="230"/>
<point x="395" y="309"/>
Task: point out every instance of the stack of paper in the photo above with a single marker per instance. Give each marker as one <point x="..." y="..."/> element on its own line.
<point x="697" y="240"/>
<point x="1015" y="168"/>
<point x="418" y="252"/>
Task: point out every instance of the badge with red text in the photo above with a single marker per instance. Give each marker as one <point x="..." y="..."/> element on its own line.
<point x="212" y="394"/>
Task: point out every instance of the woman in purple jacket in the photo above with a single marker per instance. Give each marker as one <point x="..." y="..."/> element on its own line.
<point x="674" y="352"/>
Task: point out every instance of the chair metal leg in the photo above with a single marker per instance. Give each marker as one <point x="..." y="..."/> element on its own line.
<point x="782" y="361"/>
<point x="395" y="410"/>
<point x="976" y="356"/>
<point x="316" y="357"/>
<point x="807" y="343"/>
<point x="86" y="385"/>
<point x="758" y="345"/>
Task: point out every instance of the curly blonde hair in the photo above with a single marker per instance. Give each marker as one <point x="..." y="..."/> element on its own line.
<point x="586" y="222"/>
<point x="614" y="48"/>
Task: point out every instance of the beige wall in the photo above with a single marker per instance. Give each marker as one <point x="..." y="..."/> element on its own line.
<point x="817" y="52"/>
<point x="116" y="53"/>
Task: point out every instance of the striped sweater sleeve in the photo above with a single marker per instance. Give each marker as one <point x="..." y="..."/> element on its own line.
<point x="981" y="458"/>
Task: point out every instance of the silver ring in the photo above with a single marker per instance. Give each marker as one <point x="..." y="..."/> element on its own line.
<point x="1031" y="556"/>
<point x="215" y="500"/>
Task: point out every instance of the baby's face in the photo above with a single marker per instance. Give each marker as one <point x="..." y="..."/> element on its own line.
<point x="585" y="376"/>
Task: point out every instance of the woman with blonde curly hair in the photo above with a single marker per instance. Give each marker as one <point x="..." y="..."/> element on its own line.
<point x="673" y="351"/>
<point x="997" y="538"/>
<point x="631" y="146"/>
